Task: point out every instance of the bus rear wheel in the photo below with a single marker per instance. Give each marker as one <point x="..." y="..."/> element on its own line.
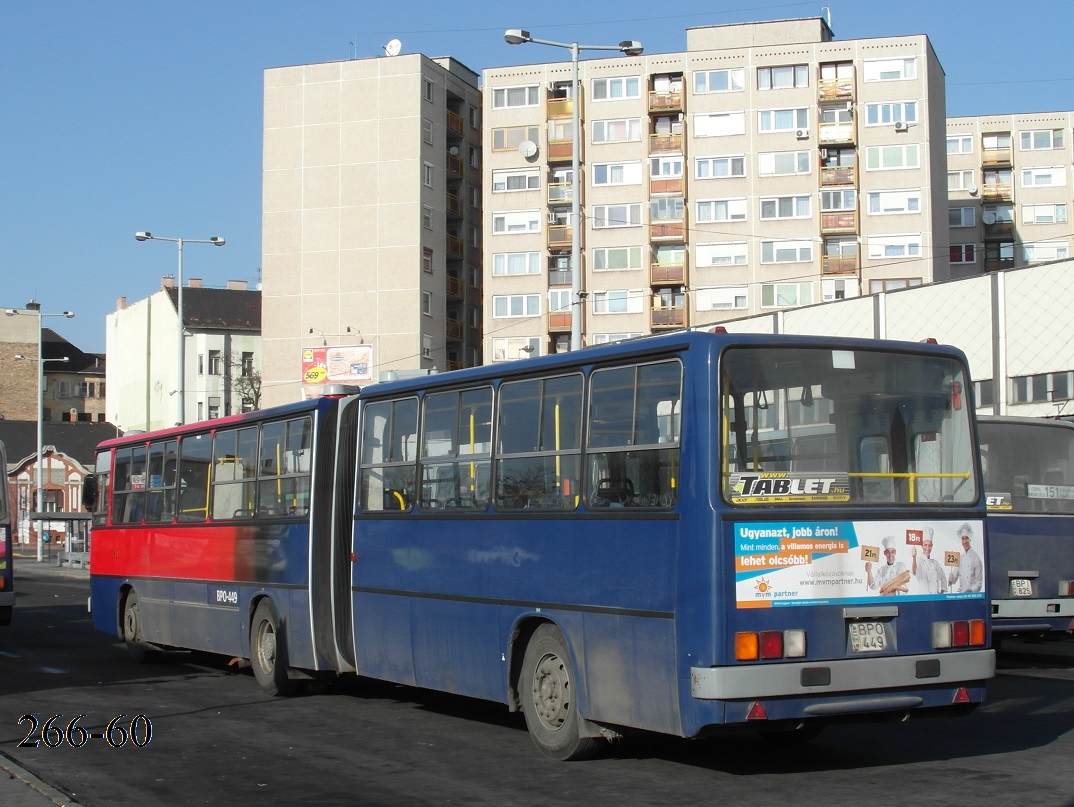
<point x="548" y="694"/>
<point x="132" y="629"/>
<point x="268" y="651"/>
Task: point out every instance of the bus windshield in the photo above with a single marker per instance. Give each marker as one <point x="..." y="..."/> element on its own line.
<point x="1028" y="467"/>
<point x="816" y="425"/>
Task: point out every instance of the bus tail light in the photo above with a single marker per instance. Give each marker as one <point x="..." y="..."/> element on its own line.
<point x="1066" y="588"/>
<point x="757" y="712"/>
<point x="961" y="696"/>
<point x="770" y="644"/>
<point x="963" y="633"/>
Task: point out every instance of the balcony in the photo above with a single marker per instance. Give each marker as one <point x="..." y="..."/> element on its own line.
<point x="665" y="273"/>
<point x="455" y="246"/>
<point x="454" y="166"/>
<point x="668" y="141"/>
<point x="839" y="221"/>
<point x="998" y="229"/>
<point x="996" y="156"/>
<point x="454" y="122"/>
<point x="839" y="175"/>
<point x="668" y="317"/>
<point x="997" y="191"/>
<point x="559" y="236"/>
<point x="560" y="150"/>
<point x="836" y="133"/>
<point x="673" y="185"/>
<point x="836" y="89"/>
<point x="455" y="329"/>
<point x="667" y="231"/>
<point x="559" y="321"/>
<point x="454" y="288"/>
<point x="560" y="193"/>
<point x="839" y="265"/>
<point x="665" y="101"/>
<point x="559" y="277"/>
<point x="454" y="205"/>
<point x="559" y="108"/>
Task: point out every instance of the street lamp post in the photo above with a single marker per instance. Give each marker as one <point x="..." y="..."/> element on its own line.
<point x="629" y="47"/>
<point x="34" y="309"/>
<point x="216" y="241"/>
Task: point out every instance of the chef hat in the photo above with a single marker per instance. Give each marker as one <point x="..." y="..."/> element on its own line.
<point x="965" y="530"/>
<point x="926" y="533"/>
<point x="888" y="543"/>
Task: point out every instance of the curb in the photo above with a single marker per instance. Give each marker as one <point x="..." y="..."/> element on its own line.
<point x="13" y="772"/>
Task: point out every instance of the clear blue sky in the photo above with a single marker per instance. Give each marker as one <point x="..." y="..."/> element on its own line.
<point x="120" y="116"/>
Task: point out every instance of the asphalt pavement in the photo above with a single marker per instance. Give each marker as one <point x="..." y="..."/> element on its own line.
<point x="18" y="786"/>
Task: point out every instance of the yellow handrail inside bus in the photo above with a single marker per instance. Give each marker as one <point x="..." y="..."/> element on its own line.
<point x="913" y="477"/>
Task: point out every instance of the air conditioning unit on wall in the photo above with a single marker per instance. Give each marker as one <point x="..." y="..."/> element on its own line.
<point x="901" y="126"/>
<point x="801" y="134"/>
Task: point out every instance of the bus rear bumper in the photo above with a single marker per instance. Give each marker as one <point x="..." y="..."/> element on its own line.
<point x="843" y="675"/>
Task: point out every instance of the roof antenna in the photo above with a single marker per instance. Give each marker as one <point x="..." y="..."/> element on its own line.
<point x="827" y="13"/>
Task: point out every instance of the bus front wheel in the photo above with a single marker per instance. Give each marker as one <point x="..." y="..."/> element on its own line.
<point x="548" y="693"/>
<point x="132" y="629"/>
<point x="268" y="651"/>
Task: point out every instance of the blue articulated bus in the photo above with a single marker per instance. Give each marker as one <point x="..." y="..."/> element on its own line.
<point x="1029" y="479"/>
<point x="675" y="534"/>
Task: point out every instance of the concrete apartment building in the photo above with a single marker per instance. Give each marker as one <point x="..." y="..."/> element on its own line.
<point x="222" y="355"/>
<point x="768" y="166"/>
<point x="1009" y="177"/>
<point x="371" y="221"/>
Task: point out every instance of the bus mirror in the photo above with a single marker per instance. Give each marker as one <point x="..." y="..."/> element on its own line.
<point x="89" y="492"/>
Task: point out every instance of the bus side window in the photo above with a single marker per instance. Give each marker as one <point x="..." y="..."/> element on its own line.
<point x="389" y="456"/>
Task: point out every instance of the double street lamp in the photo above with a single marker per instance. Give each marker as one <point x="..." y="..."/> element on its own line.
<point x="629" y="47"/>
<point x="216" y="241"/>
<point x="33" y="309"/>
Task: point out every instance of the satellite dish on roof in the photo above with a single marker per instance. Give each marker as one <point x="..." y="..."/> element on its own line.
<point x="527" y="148"/>
<point x="988" y="217"/>
<point x="393" y="47"/>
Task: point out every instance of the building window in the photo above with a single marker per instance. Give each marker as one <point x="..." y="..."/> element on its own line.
<point x="1050" y="177"/>
<point x="427" y="217"/>
<point x="888" y="158"/>
<point x="721" y="298"/>
<point x="628" y="173"/>
<point x="960" y="144"/>
<point x="666" y="208"/>
<point x="475" y="117"/>
<point x="609" y="216"/>
<point x="561" y="131"/>
<point x="1044" y="214"/>
<point x="722" y="210"/>
<point x="890" y="69"/>
<point x="779" y="78"/>
<point x="895" y="246"/>
<point x="518" y="221"/>
<point x="427" y="130"/>
<point x="1004" y="214"/>
<point x="624" y="130"/>
<point x="426" y="346"/>
<point x="961" y="217"/>
<point x="832" y="289"/>
<point x="608" y="338"/>
<point x="731" y="80"/>
<point x="427" y="260"/>
<point x="614" y="89"/>
<point x="427" y="303"/>
<point x="963" y="253"/>
<point x="786" y="295"/>
<point x="783" y="120"/>
<point x="787" y="207"/>
<point x="983" y="393"/>
<point x="428" y="89"/>
<point x="516" y="305"/>
<point x="612" y="259"/>
<point x="508" y="139"/>
<point x="559" y="300"/>
<point x="247" y="364"/>
<point x="999" y="252"/>
<point x="516" y="179"/>
<point x="894" y="112"/>
<point x="1042" y="139"/>
<point x="960" y="180"/>
<point x="617" y="301"/>
<point x="720" y="124"/>
<point x="665" y="167"/>
<point x="719" y="167"/>
<point x="726" y="253"/>
<point x="507" y="97"/>
<point x="475" y="157"/>
<point x="507" y="264"/>
<point x="894" y="203"/>
<point x="511" y="348"/>
<point x="1045" y="251"/>
<point x="427" y="174"/>
<point x="839" y="201"/>
<point x="216" y="363"/>
<point x="893" y="284"/>
<point x="783" y="163"/>
<point x="201" y="364"/>
<point x="786" y="251"/>
<point x="1043" y="387"/>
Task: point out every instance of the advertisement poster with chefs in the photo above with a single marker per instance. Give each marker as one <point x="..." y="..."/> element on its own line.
<point x="822" y="562"/>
